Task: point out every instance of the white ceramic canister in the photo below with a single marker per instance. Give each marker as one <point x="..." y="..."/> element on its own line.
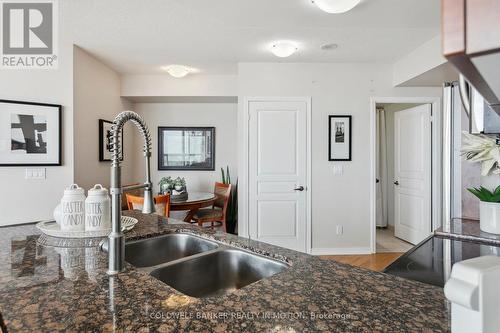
<point x="97" y="209"/>
<point x="72" y="216"/>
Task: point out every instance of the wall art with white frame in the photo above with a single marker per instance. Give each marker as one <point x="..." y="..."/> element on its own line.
<point x="30" y="133"/>
<point x="339" y="138"/>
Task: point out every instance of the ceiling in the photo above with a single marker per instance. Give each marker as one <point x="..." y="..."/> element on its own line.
<point x="138" y="37"/>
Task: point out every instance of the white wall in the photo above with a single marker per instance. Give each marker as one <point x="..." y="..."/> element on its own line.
<point x="191" y="85"/>
<point x="24" y="200"/>
<point x="97" y="96"/>
<point x="419" y="61"/>
<point x="222" y="116"/>
<point x="335" y="89"/>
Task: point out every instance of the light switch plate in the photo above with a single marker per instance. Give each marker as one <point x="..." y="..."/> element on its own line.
<point x="39" y="173"/>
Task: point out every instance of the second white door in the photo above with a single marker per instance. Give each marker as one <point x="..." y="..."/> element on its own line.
<point x="278" y="173"/>
<point x="412" y="183"/>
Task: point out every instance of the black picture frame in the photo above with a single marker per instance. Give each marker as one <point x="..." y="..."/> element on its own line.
<point x="103" y="157"/>
<point x="340" y="136"/>
<point x="161" y="144"/>
<point x="58" y="108"/>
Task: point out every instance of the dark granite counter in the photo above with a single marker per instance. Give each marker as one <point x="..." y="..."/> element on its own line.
<point x="468" y="230"/>
<point x="45" y="288"/>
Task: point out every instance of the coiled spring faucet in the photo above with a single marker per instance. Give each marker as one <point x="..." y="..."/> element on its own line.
<point x="116" y="240"/>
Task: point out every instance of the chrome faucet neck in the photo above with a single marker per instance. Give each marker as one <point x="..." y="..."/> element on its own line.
<point x="116" y="246"/>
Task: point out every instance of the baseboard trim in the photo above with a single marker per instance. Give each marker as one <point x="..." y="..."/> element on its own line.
<point x="340" y="251"/>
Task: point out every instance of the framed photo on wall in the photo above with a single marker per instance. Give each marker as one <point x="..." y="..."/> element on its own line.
<point x="340" y="137"/>
<point x="186" y="148"/>
<point x="30" y="134"/>
<point x="105" y="141"/>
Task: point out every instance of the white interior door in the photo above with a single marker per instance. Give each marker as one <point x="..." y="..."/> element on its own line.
<point x="412" y="183"/>
<point x="278" y="173"/>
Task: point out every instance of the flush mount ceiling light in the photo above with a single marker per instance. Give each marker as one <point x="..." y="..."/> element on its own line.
<point x="283" y="49"/>
<point x="177" y="71"/>
<point x="336" y="6"/>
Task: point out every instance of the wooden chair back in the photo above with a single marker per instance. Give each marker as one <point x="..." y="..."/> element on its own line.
<point x="223" y="193"/>
<point x="159" y="200"/>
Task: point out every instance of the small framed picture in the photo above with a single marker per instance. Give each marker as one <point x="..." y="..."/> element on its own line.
<point x="105" y="141"/>
<point x="186" y="148"/>
<point x="30" y="134"/>
<point x="339" y="136"/>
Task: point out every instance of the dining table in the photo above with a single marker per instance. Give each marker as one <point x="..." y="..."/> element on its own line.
<point x="193" y="203"/>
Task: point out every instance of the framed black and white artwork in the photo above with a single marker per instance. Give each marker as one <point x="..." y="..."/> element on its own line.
<point x="186" y="148"/>
<point x="30" y="134"/>
<point x="340" y="137"/>
<point x="105" y="141"/>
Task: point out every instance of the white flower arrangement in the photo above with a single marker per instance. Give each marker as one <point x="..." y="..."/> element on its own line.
<point x="480" y="148"/>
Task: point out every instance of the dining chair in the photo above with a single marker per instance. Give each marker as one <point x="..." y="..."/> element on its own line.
<point x="218" y="211"/>
<point x="162" y="203"/>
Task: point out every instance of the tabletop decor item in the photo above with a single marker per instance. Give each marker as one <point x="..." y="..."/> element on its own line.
<point x="186" y="148"/>
<point x="105" y="141"/>
<point x="166" y="185"/>
<point x="339" y="138"/>
<point x="51" y="228"/>
<point x="30" y="134"/>
<point x="72" y="214"/>
<point x="179" y="192"/>
<point x="489" y="209"/>
<point x="97" y="209"/>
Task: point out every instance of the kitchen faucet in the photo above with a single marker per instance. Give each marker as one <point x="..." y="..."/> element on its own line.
<point x="116" y="240"/>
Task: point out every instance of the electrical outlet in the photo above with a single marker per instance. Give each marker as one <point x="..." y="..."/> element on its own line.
<point x="338" y="170"/>
<point x="36" y="173"/>
<point x="340" y="230"/>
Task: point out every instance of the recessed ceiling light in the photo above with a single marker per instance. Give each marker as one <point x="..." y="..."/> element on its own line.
<point x="336" y="6"/>
<point x="329" y="46"/>
<point x="283" y="49"/>
<point x="177" y="71"/>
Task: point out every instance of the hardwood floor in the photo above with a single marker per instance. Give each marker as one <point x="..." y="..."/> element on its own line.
<point x="375" y="262"/>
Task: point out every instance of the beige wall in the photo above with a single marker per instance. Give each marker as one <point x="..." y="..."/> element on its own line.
<point x="335" y="89"/>
<point x="223" y="116"/>
<point x="97" y="96"/>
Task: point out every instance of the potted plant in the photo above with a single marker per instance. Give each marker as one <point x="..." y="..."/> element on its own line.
<point x="179" y="184"/>
<point x="232" y="208"/>
<point x="166" y="185"/>
<point x="489" y="209"/>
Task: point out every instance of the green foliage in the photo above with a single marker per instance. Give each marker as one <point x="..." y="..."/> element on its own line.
<point x="232" y="208"/>
<point x="166" y="182"/>
<point x="486" y="195"/>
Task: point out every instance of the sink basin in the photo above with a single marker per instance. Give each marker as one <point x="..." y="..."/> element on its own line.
<point x="217" y="273"/>
<point x="154" y="251"/>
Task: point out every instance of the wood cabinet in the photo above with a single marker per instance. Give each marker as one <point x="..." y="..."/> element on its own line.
<point x="471" y="41"/>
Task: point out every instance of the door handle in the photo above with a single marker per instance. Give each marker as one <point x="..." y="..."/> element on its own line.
<point x="300" y="188"/>
<point x="396" y="183"/>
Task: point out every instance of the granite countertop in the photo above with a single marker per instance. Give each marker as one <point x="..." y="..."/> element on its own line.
<point x="48" y="285"/>
<point x="467" y="230"/>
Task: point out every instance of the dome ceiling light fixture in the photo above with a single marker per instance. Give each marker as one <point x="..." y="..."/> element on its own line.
<point x="177" y="71"/>
<point x="336" y="6"/>
<point x="283" y="49"/>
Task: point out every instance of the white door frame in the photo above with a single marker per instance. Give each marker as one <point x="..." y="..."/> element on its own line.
<point x="243" y="188"/>
<point x="436" y="159"/>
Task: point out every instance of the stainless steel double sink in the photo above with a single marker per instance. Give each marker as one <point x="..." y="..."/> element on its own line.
<point x="198" y="267"/>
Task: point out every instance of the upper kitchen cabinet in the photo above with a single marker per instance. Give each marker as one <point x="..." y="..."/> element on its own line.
<point x="471" y="41"/>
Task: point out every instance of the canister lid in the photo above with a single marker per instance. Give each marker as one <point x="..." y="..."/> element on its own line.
<point x="74" y="189"/>
<point x="98" y="189"/>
